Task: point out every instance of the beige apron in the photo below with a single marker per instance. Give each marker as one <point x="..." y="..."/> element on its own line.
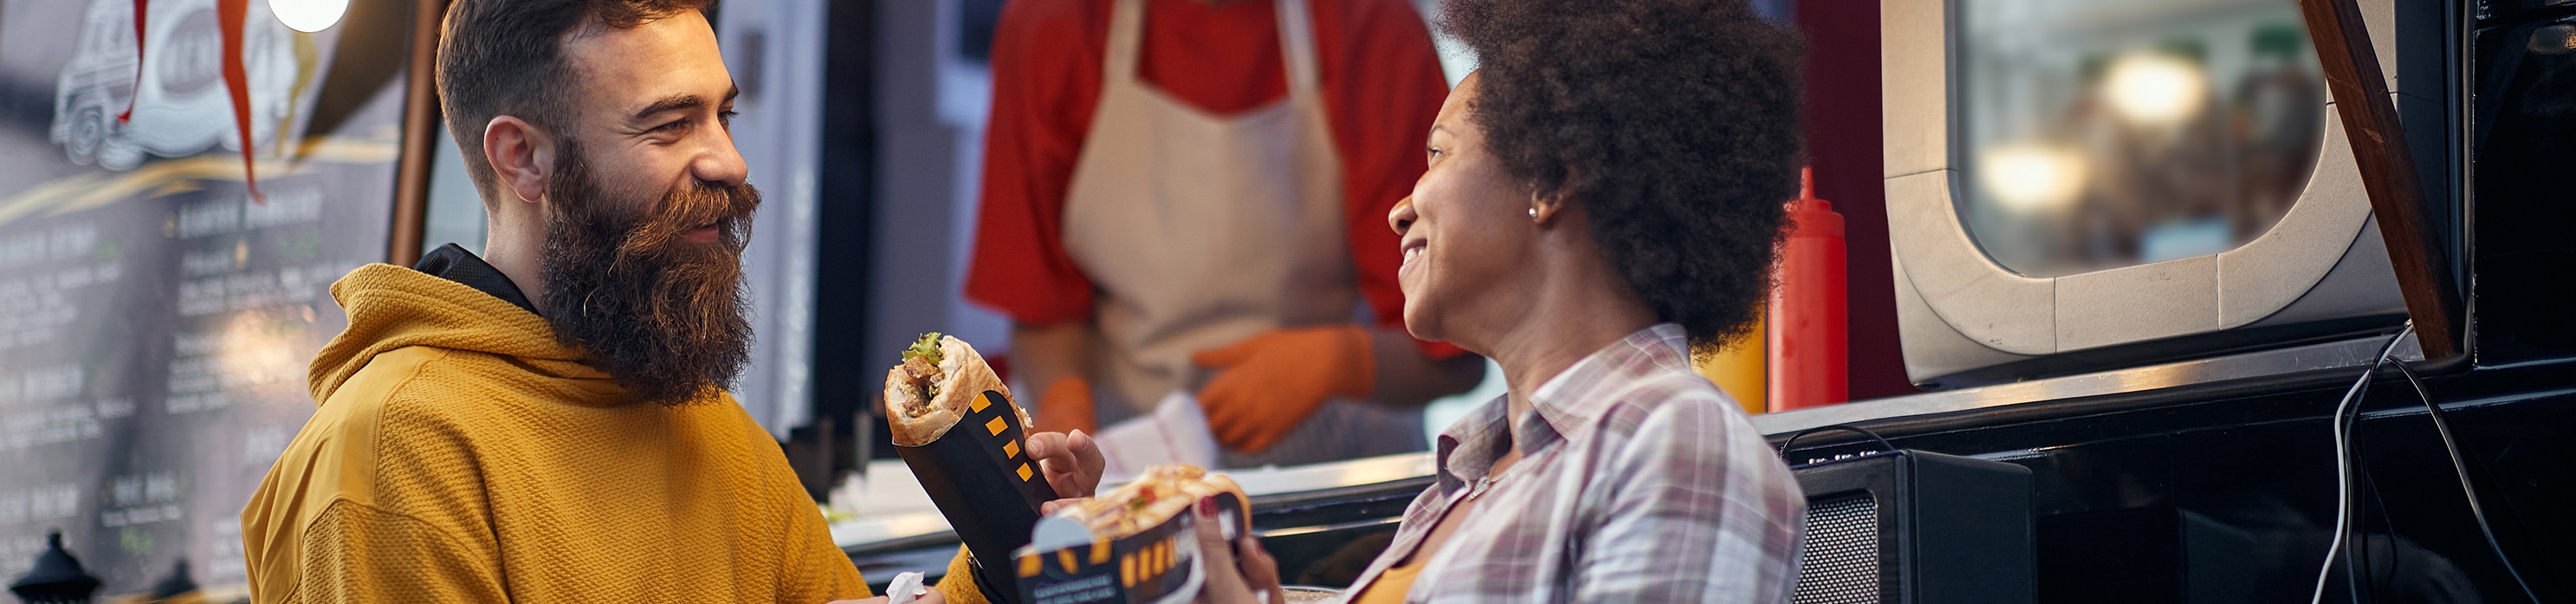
<point x="1200" y="230"/>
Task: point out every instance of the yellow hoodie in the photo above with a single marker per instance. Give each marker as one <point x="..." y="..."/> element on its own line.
<point x="461" y="455"/>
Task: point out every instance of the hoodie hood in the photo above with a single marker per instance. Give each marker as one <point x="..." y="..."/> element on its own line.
<point x="391" y="308"/>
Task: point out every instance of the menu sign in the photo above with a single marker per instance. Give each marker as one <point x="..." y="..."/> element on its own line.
<point x="155" y="319"/>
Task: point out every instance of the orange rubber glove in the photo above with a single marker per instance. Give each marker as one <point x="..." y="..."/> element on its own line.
<point x="1066" y="407"/>
<point x="1270" y="383"/>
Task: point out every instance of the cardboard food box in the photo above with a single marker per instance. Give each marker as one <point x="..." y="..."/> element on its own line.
<point x="1065" y="563"/>
<point x="980" y="476"/>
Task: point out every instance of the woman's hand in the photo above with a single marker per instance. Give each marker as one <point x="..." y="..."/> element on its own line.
<point x="1071" y="462"/>
<point x="1237" y="570"/>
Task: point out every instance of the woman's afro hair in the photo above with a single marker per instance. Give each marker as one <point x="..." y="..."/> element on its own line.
<point x="1673" y="123"/>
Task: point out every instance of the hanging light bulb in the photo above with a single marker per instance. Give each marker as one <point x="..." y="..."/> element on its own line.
<point x="2156" y="88"/>
<point x="309" y="16"/>
<point x="2032" y="177"/>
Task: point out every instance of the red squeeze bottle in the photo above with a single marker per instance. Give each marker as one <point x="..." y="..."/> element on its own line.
<point x="1808" y="331"/>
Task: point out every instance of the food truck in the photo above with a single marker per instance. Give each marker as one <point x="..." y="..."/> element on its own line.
<point x="2145" y="301"/>
<point x="2130" y="249"/>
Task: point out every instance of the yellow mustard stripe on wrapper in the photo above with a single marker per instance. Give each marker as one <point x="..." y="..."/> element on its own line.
<point x="1010" y="449"/>
<point x="1024" y="472"/>
<point x="1127" y="570"/>
<point x="1100" y="551"/>
<point x="1028" y="566"/>
<point x="996" y="426"/>
<point x="981" y="402"/>
<point x="1064" y="557"/>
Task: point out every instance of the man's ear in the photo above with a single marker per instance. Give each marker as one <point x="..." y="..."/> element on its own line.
<point x="522" y="156"/>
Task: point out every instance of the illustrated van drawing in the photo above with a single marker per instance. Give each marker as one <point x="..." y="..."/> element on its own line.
<point x="181" y="107"/>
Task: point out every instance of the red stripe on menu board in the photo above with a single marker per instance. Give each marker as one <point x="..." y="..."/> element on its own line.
<point x="229" y="17"/>
<point x="140" y="7"/>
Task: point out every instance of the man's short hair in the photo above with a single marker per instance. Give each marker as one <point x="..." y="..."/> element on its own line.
<point x="505" y="57"/>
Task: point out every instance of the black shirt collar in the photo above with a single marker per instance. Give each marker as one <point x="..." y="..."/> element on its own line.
<point x="455" y="264"/>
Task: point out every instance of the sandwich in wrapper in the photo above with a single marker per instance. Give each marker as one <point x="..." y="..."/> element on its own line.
<point x="955" y="425"/>
<point x="1133" y="545"/>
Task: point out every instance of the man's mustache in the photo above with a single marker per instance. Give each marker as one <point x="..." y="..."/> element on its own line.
<point x="728" y="207"/>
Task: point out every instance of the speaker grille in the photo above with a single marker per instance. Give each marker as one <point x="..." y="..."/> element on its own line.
<point x="1841" y="564"/>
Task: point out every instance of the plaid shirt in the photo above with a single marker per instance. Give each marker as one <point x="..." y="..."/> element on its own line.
<point x="1639" y="482"/>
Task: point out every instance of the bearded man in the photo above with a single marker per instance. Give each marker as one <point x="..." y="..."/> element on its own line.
<point x="547" y="422"/>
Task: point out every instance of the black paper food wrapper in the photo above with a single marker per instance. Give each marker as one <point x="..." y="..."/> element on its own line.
<point x="981" y="477"/>
<point x="1158" y="565"/>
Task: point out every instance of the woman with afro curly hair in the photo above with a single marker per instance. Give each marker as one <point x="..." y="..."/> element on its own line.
<point x="1603" y="201"/>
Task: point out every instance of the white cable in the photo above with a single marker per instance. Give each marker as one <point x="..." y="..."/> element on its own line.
<point x="2460" y="466"/>
<point x="2343" y="484"/>
<point x="2343" y="461"/>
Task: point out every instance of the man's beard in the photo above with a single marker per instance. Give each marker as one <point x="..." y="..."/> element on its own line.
<point x="661" y="315"/>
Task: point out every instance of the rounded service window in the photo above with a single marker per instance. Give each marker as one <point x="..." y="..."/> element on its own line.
<point x="2108" y="133"/>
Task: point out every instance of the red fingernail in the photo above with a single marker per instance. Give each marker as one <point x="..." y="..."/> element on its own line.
<point x="1207" y="506"/>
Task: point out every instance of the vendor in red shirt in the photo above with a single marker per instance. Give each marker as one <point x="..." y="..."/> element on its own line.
<point x="1187" y="194"/>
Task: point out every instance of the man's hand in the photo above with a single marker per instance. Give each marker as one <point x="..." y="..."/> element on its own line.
<point x="1271" y="382"/>
<point x="1049" y="508"/>
<point x="1238" y="569"/>
<point x="1071" y="462"/>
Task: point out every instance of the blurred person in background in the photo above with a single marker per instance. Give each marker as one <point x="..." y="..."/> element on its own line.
<point x="2278" y="121"/>
<point x="1187" y="192"/>
<point x="547" y="422"/>
<point x="1603" y="200"/>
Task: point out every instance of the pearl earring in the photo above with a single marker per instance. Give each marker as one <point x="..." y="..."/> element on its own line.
<point x="1533" y="213"/>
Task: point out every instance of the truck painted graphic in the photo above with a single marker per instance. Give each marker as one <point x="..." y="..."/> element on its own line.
<point x="181" y="107"/>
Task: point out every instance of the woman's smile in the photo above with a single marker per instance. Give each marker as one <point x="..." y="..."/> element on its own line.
<point x="1412" y="249"/>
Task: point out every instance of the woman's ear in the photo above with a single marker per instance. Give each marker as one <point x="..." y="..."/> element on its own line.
<point x="1547" y="204"/>
<point x="522" y="156"/>
<point x="1546" y="207"/>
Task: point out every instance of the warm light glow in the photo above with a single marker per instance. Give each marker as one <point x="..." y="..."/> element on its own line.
<point x="2032" y="177"/>
<point x="2153" y="88"/>
<point x="2553" y="40"/>
<point x="309" y="16"/>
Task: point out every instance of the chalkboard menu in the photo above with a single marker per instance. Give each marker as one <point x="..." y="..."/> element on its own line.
<point x="155" y="319"/>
